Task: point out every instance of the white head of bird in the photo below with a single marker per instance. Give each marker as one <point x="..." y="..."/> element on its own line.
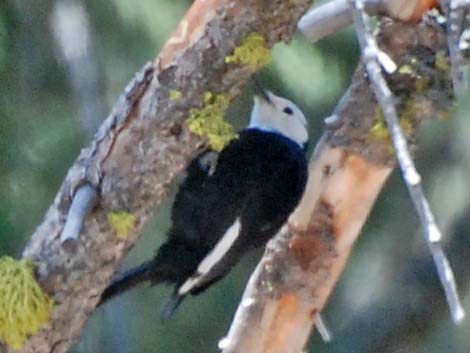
<point x="276" y="114"/>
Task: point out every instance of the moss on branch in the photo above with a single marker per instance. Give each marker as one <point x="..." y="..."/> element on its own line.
<point x="24" y="307"/>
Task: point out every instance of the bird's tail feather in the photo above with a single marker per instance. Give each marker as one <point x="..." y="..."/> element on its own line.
<point x="127" y="281"/>
<point x="170" y="308"/>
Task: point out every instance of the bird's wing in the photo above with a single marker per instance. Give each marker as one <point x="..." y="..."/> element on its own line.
<point x="207" y="213"/>
<point x="222" y="247"/>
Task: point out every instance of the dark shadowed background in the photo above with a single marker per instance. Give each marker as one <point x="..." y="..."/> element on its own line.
<point x="388" y="300"/>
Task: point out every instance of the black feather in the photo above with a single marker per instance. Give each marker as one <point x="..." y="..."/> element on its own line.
<point x="171" y="306"/>
<point x="257" y="179"/>
<point x="126" y="281"/>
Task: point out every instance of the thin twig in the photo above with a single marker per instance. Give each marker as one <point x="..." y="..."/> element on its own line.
<point x="323" y="329"/>
<point x="455" y="11"/>
<point x="371" y="57"/>
<point x="82" y="203"/>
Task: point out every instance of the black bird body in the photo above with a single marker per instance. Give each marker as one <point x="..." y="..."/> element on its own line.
<point x="259" y="179"/>
<point x="222" y="209"/>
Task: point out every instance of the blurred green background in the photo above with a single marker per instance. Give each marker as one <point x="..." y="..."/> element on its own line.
<point x="388" y="299"/>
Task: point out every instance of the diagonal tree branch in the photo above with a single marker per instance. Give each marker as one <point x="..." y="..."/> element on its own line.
<point x="371" y="58"/>
<point x="139" y="149"/>
<point x="351" y="163"/>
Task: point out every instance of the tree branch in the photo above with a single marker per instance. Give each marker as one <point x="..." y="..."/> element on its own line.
<point x="351" y="163"/>
<point x="455" y="11"/>
<point x="137" y="152"/>
<point x="83" y="202"/>
<point x="335" y="15"/>
<point x="371" y="58"/>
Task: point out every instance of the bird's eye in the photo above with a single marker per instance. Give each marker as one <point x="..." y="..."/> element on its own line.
<point x="288" y="111"/>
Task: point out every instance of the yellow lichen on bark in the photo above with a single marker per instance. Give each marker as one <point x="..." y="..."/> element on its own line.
<point x="209" y="121"/>
<point x="24" y="307"/>
<point x="252" y="52"/>
<point x="122" y="222"/>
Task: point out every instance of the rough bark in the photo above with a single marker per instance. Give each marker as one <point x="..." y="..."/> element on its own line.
<point x="139" y="149"/>
<point x="352" y="161"/>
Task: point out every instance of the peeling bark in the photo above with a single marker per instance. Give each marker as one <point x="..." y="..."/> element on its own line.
<point x="139" y="149"/>
<point x="351" y="163"/>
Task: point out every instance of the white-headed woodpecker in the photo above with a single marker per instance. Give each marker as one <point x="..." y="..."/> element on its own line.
<point x="231" y="203"/>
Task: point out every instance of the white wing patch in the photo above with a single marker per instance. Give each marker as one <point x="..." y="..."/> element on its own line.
<point x="211" y="259"/>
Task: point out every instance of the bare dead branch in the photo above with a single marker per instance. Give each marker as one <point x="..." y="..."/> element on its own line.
<point x="70" y="26"/>
<point x="83" y="201"/>
<point x="335" y="15"/>
<point x="323" y="329"/>
<point x="137" y="152"/>
<point x="371" y="58"/>
<point x="351" y="162"/>
<point x="332" y="17"/>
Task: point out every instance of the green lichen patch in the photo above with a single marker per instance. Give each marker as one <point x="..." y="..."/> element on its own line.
<point x="379" y="131"/>
<point x="422" y="83"/>
<point x="122" y="222"/>
<point x="411" y="111"/>
<point x="252" y="52"/>
<point x="209" y="121"/>
<point x="442" y="61"/>
<point x="411" y="70"/>
<point x="24" y="307"/>
<point x="405" y="69"/>
<point x="175" y="95"/>
<point x="268" y="286"/>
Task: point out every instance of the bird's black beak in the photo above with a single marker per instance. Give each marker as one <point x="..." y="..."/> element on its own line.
<point x="259" y="89"/>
